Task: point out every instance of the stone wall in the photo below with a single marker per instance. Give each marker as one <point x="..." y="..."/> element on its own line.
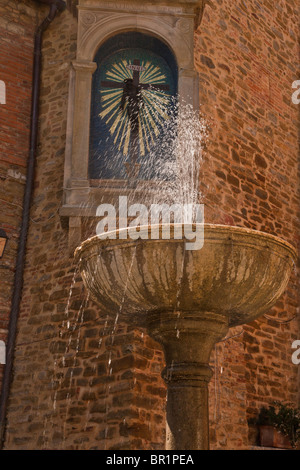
<point x="82" y="381"/>
<point x="247" y="57"/>
<point x="72" y="388"/>
<point x="17" y="20"/>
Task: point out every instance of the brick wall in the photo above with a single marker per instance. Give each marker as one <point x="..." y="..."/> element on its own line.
<point x="247" y="57"/>
<point x="82" y="382"/>
<point x="17" y="20"/>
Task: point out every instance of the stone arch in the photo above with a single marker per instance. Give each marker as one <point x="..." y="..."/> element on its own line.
<point x="176" y="33"/>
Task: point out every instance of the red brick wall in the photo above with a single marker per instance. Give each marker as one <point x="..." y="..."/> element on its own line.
<point x="17" y="24"/>
<point x="247" y="56"/>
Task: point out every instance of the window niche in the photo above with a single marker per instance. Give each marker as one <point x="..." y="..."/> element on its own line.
<point x="163" y="31"/>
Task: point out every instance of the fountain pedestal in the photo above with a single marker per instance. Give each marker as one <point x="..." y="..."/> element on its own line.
<point x="187" y="339"/>
<point x="186" y="300"/>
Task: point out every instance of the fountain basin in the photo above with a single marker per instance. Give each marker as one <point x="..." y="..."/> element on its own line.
<point x="187" y="300"/>
<point x="239" y="273"/>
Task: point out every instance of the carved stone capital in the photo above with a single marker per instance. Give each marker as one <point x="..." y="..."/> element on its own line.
<point x="84" y="66"/>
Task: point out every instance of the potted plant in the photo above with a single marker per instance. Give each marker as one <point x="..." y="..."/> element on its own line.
<point x="279" y="426"/>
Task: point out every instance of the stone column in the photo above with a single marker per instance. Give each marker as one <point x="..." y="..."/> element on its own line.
<point x="187" y="339"/>
<point x="81" y="124"/>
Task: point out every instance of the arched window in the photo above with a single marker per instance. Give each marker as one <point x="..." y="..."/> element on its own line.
<point x="151" y="44"/>
<point x="133" y="93"/>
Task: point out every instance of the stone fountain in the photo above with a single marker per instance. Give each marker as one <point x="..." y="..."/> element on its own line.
<point x="187" y="300"/>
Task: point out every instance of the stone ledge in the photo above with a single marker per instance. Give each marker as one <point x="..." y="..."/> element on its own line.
<point x="265" y="448"/>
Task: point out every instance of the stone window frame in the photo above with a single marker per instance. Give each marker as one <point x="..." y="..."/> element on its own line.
<point x="173" y="23"/>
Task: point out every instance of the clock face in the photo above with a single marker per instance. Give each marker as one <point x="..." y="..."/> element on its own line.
<point x="133" y="91"/>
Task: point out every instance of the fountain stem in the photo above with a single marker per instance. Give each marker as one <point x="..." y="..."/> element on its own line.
<point x="187" y="407"/>
<point x="188" y="339"/>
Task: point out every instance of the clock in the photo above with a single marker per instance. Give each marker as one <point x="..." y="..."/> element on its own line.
<point x="134" y="88"/>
